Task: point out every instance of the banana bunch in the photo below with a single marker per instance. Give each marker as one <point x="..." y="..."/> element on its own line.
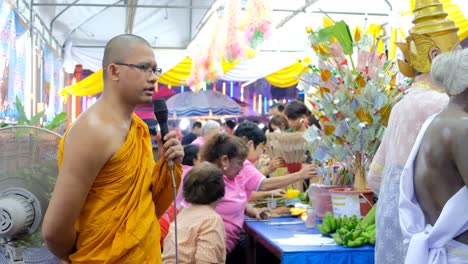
<point x="332" y="224"/>
<point x="349" y="231"/>
<point x="355" y="237"/>
<point x="329" y="224"/>
<point x="298" y="211"/>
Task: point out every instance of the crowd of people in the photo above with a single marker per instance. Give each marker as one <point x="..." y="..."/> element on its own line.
<point x="112" y="202"/>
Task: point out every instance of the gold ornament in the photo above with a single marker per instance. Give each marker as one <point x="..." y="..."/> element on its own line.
<point x="419" y="49"/>
<point x="432" y="30"/>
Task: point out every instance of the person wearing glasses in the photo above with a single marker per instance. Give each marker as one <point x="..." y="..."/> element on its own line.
<point x="110" y="192"/>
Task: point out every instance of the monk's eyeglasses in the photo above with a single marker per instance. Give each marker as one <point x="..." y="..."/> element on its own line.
<point x="145" y="68"/>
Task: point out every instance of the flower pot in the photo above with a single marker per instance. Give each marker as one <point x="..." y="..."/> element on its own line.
<point x="346" y="201"/>
<point x="320" y="198"/>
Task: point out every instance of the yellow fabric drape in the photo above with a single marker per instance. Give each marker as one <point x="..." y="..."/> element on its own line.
<point x="181" y="72"/>
<point x="178" y="75"/>
<point x="391" y="44"/>
<point x="227" y="66"/>
<point x="375" y="31"/>
<point x="118" y="222"/>
<point x="287" y="77"/>
<point x="91" y="85"/>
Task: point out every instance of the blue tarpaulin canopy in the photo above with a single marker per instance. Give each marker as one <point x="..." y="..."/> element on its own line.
<point x="203" y="103"/>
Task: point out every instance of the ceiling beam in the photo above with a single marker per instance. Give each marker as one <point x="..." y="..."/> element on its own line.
<point x="130" y="19"/>
<point x="348" y="13"/>
<point x="123" y="5"/>
<point x="190" y="22"/>
<point x="103" y="46"/>
<point x="301" y="9"/>
<point x="206" y="16"/>
<point x="88" y="19"/>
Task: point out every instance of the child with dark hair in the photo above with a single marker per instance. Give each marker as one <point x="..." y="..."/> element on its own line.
<point x="201" y="235"/>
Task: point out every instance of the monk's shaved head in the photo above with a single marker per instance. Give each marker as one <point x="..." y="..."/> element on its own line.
<point x="119" y="48"/>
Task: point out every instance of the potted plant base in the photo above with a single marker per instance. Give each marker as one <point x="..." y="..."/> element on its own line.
<point x="320" y="198"/>
<point x="347" y="201"/>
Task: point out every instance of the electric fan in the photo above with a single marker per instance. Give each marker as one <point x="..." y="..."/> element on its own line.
<point x="28" y="171"/>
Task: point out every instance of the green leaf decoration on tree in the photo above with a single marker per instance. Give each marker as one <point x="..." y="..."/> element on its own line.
<point x="341" y="32"/>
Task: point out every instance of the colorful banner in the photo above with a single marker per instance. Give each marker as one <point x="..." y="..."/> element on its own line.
<point x="13" y="44"/>
<point x="57" y="99"/>
<point x="51" y="81"/>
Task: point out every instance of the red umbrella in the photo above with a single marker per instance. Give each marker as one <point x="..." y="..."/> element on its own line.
<point x="163" y="92"/>
<point x="146" y="111"/>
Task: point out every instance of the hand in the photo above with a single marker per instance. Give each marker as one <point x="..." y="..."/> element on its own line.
<point x="308" y="171"/>
<point x="276" y="162"/>
<point x="263" y="161"/>
<point x="262" y="214"/>
<point x="276" y="193"/>
<point x="172" y="149"/>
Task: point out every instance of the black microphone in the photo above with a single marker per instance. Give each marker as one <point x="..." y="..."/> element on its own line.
<point x="160" y="111"/>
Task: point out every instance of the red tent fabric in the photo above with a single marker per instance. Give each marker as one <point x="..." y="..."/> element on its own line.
<point x="163" y="92"/>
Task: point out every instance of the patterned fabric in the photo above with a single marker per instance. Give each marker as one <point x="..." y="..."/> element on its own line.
<point x="406" y="120"/>
<point x="201" y="237"/>
<point x="165" y="221"/>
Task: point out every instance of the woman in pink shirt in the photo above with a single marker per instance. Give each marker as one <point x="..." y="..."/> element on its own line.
<point x="254" y="138"/>
<point x="241" y="178"/>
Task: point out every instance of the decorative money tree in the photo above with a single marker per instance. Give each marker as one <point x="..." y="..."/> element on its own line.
<point x="352" y="102"/>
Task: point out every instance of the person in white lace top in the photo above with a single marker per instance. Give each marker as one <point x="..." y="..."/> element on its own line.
<point x="424" y="98"/>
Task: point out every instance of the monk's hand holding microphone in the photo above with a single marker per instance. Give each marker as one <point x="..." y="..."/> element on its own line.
<point x="169" y="147"/>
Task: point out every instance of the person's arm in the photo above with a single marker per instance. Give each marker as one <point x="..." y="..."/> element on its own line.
<point x="211" y="242"/>
<point x="258" y="213"/>
<point x="375" y="173"/>
<point x="163" y="190"/>
<point x="86" y="150"/>
<point x="307" y="171"/>
<point x="266" y="194"/>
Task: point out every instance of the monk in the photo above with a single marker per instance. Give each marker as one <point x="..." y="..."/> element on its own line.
<point x="110" y="192"/>
<point x="433" y="189"/>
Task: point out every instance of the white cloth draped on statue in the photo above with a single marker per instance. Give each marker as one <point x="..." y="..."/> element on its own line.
<point x="426" y="243"/>
<point x="406" y="120"/>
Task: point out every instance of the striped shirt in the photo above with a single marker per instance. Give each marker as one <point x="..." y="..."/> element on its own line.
<point x="201" y="237"/>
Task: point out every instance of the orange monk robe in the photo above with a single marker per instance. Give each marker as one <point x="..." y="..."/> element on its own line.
<point x="119" y="220"/>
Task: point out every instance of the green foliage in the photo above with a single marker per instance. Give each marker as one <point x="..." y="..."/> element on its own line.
<point x="349" y="231"/>
<point x="58" y="120"/>
<point x="341" y="32"/>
